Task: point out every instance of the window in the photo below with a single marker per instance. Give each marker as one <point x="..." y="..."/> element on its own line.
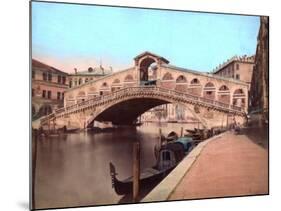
<point x="49" y="77"/>
<point x="86" y="80"/>
<point x="63" y="79"/>
<point x="70" y="84"/>
<point x="209" y="93"/>
<point x="59" y="79"/>
<point x="80" y="81"/>
<point x="58" y="95"/>
<point x="49" y="94"/>
<point x="44" y="76"/>
<point x="237" y="76"/>
<point x="62" y="96"/>
<point x="33" y="74"/>
<point x="44" y="93"/>
<point x="237" y="66"/>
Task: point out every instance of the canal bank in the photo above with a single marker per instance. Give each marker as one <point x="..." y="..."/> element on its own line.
<point x="224" y="165"/>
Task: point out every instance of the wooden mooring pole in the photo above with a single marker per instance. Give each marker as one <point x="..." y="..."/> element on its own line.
<point x="136" y="171"/>
<point x="160" y="137"/>
<point x="181" y="132"/>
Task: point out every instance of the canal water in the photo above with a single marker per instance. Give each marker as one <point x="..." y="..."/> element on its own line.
<point x="73" y="169"/>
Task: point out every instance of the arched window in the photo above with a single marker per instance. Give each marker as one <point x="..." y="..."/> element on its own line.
<point x="80" y="81"/>
<point x="239" y="98"/>
<point x="195" y="81"/>
<point x="116" y="81"/>
<point x="209" y="91"/>
<point x="209" y="84"/>
<point x="224" y="94"/>
<point x="167" y="76"/>
<point x="181" y="79"/>
<point x="129" y="78"/>
<point x="104" y="84"/>
<point x="223" y="88"/>
<point x="195" y="87"/>
<point x="238" y="92"/>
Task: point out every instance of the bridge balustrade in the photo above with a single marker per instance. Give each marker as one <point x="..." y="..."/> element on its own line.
<point x="138" y="90"/>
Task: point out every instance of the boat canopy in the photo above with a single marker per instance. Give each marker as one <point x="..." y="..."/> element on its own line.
<point x="186" y="142"/>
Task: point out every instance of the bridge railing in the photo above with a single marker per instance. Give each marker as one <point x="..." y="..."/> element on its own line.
<point x="135" y="90"/>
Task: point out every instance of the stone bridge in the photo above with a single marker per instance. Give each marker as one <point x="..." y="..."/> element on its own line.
<point x="123" y="96"/>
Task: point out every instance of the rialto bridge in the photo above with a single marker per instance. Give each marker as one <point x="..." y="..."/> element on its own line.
<point x="124" y="95"/>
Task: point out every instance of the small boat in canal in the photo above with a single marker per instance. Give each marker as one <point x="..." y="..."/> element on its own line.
<point x="169" y="157"/>
<point x="172" y="136"/>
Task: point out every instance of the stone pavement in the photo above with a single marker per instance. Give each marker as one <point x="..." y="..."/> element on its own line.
<point x="229" y="166"/>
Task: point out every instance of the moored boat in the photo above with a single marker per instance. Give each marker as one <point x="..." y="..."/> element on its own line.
<point x="168" y="158"/>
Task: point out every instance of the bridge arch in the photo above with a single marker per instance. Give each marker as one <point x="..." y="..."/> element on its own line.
<point x="144" y="66"/>
<point x="127" y="111"/>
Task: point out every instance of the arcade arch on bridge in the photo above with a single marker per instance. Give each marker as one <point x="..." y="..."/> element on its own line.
<point x="239" y="98"/>
<point x="128" y="81"/>
<point x="224" y="94"/>
<point x="209" y="91"/>
<point x="116" y="85"/>
<point x="181" y="84"/>
<point x="92" y="92"/>
<point x="81" y="97"/>
<point x="195" y="87"/>
<point x="104" y="89"/>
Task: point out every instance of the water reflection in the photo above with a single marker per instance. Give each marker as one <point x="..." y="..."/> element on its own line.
<point x="73" y="169"/>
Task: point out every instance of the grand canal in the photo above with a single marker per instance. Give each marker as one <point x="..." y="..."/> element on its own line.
<point x="73" y="169"/>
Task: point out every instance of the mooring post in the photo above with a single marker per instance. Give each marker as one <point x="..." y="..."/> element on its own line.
<point x="33" y="165"/>
<point x="181" y="132"/>
<point x="160" y="137"/>
<point x="136" y="170"/>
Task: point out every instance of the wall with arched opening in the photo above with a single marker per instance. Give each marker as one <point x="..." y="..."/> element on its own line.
<point x="195" y="87"/>
<point x="209" y="91"/>
<point x="181" y="83"/>
<point x="224" y="94"/>
<point x="239" y="98"/>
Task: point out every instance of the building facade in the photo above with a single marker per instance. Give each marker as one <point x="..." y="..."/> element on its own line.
<point x="80" y="77"/>
<point x="259" y="92"/>
<point x="239" y="68"/>
<point x="48" y="87"/>
<point x="168" y="113"/>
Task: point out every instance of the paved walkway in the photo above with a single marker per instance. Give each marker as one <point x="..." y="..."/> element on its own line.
<point x="228" y="166"/>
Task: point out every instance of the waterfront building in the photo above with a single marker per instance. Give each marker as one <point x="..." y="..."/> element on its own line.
<point x="237" y="67"/>
<point x="48" y="86"/>
<point x="168" y="113"/>
<point x="80" y="77"/>
<point x="259" y="96"/>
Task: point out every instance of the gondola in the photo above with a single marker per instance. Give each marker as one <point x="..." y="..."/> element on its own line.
<point x="168" y="158"/>
<point x="172" y="136"/>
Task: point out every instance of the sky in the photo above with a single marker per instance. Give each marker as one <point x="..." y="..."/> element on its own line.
<point x="68" y="36"/>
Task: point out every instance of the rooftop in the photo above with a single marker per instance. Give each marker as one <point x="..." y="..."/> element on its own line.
<point x="245" y="58"/>
<point x="96" y="71"/>
<point x="39" y="65"/>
